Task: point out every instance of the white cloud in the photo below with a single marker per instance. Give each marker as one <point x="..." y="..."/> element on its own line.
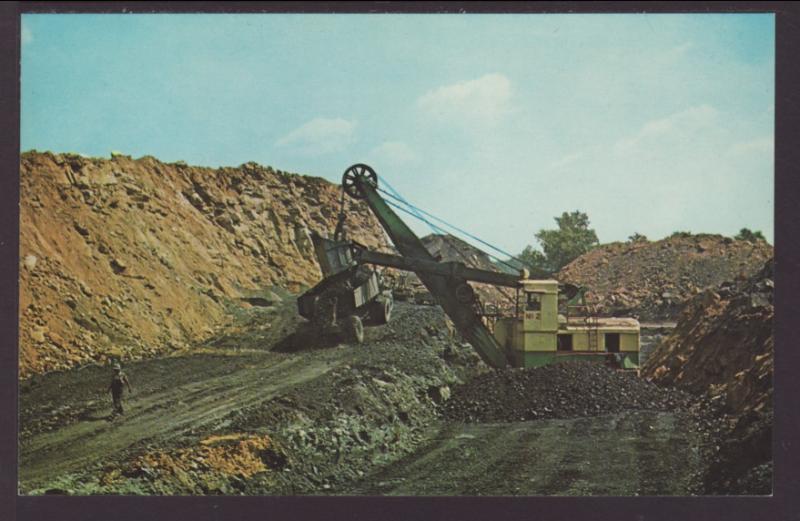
<point x="483" y="100"/>
<point x="26" y="35"/>
<point x="320" y="136"/>
<point x="680" y="124"/>
<point x="395" y="153"/>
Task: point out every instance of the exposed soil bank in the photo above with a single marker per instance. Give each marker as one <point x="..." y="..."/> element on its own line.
<point x="128" y="258"/>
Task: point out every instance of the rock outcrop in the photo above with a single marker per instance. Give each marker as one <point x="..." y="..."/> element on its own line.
<point x="124" y="258"/>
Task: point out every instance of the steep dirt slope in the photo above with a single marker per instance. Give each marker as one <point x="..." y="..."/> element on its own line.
<point x="655" y="279"/>
<point x="723" y="347"/>
<point x="126" y="258"/>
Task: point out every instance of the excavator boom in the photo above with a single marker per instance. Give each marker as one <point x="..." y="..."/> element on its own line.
<point x="446" y="281"/>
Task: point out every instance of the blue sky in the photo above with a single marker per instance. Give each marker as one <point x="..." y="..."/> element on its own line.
<point x="497" y="123"/>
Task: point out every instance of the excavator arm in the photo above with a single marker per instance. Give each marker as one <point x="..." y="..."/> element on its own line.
<point x="448" y="269"/>
<point x="446" y="281"/>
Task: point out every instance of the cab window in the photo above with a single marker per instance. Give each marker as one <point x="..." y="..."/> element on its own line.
<point x="534" y="302"/>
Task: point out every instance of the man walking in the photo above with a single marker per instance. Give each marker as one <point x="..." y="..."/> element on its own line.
<point x="118" y="381"/>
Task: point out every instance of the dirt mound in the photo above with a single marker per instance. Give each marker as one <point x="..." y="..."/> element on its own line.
<point x="124" y="258"/>
<point x="217" y="465"/>
<point x="564" y="390"/>
<point x="655" y="279"/>
<point x="723" y="346"/>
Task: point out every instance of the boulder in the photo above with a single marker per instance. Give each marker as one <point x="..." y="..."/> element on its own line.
<point x="80" y="228"/>
<point x="118" y="265"/>
<point x="29" y="262"/>
<point x="37" y="334"/>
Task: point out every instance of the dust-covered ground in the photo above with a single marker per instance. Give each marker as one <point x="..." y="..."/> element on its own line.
<point x="412" y="411"/>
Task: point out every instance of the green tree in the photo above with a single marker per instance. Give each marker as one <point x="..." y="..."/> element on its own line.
<point x="748" y="235"/>
<point x="561" y="246"/>
<point x="534" y="260"/>
<point x="637" y="237"/>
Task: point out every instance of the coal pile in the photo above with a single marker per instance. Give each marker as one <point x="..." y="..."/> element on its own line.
<point x="564" y="390"/>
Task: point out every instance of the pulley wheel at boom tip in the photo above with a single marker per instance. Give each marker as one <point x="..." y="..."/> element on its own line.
<point x="359" y="170"/>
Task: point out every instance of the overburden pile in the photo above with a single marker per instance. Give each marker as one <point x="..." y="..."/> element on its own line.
<point x="723" y="345"/>
<point x="654" y="280"/>
<point x="563" y="390"/>
<point x="127" y="258"/>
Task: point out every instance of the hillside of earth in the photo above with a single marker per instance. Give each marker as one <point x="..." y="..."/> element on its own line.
<point x="125" y="258"/>
<point x="653" y="280"/>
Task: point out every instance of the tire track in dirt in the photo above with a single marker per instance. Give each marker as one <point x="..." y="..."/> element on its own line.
<point x="165" y="415"/>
